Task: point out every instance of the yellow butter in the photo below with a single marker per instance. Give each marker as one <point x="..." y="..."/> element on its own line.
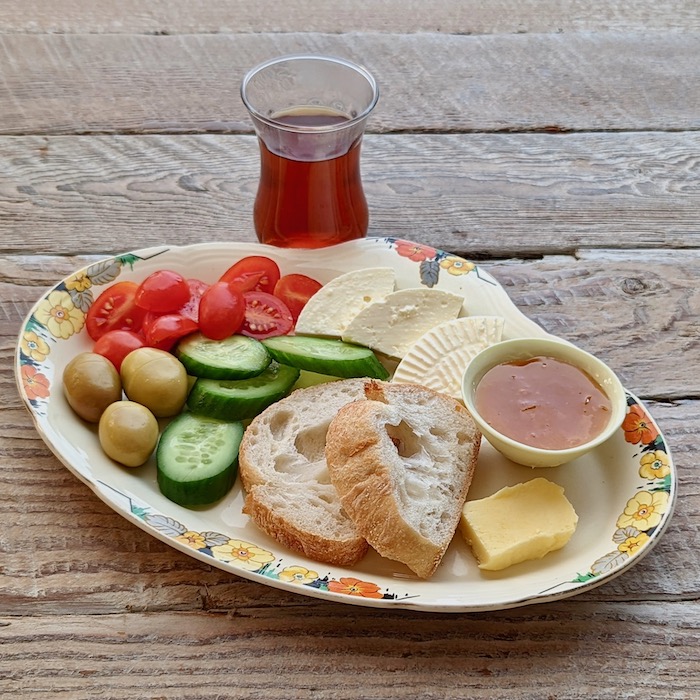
<point x="518" y="523"/>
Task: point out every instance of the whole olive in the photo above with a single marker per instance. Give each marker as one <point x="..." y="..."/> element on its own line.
<point x="128" y="433"/>
<point x="156" y="379"/>
<point x="90" y="384"/>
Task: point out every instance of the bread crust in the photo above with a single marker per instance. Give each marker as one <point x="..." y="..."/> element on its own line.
<point x="281" y="500"/>
<point x="312" y="544"/>
<point x="356" y="454"/>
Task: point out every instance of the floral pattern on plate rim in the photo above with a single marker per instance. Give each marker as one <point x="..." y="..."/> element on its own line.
<point x="61" y="314"/>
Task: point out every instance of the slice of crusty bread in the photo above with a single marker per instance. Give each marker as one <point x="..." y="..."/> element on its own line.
<point x="402" y="462"/>
<point x="283" y="470"/>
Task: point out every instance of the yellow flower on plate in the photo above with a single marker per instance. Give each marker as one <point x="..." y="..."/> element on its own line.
<point x="634" y="543"/>
<point x="60" y="316"/>
<point x="654" y="465"/>
<point x="192" y="539"/>
<point x="79" y="282"/>
<point x="644" y="511"/>
<point x="243" y="554"/>
<point x="456" y="266"/>
<point x="297" y="574"/>
<point x="35" y="347"/>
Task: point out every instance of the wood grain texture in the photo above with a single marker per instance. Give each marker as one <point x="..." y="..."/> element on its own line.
<point x="483" y="195"/>
<point x="335" y="16"/>
<point x="554" y="142"/>
<point x="64" y="84"/>
<point x="370" y="654"/>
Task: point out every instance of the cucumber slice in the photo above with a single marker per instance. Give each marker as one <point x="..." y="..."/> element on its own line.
<point x="237" y="357"/>
<point x="325" y="356"/>
<point x="197" y="459"/>
<point x="242" y="398"/>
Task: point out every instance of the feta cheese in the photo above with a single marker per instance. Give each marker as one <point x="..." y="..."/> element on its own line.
<point x="330" y="310"/>
<point x="393" y="325"/>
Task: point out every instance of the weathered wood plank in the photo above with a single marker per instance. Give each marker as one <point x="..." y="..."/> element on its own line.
<point x="562" y="651"/>
<point x="479" y="194"/>
<point x="58" y="84"/>
<point x="401" y="16"/>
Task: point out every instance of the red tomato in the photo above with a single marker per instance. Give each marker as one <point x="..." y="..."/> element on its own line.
<point x="221" y="311"/>
<point x="295" y="291"/>
<point x="163" y="291"/>
<point x="164" y="331"/>
<point x="191" y="307"/>
<point x="254" y="272"/>
<point x="114" y="310"/>
<point x="116" y="345"/>
<point x="265" y="316"/>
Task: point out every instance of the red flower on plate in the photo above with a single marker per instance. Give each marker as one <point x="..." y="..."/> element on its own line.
<point x="353" y="586"/>
<point x="415" y="251"/>
<point x="36" y="385"/>
<point x="638" y="426"/>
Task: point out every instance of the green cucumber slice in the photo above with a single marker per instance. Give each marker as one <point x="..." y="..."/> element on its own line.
<point x="325" y="356"/>
<point x="242" y="398"/>
<point x="237" y="357"/>
<point x="197" y="459"/>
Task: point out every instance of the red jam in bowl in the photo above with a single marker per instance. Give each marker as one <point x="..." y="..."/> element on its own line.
<point x="543" y="402"/>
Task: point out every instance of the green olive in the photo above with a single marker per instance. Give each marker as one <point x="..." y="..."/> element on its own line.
<point x="90" y="384"/>
<point x="128" y="433"/>
<point x="156" y="379"/>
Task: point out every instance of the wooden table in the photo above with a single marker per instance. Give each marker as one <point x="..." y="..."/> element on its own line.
<point x="555" y="142"/>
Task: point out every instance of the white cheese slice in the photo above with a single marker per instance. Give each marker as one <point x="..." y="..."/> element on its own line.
<point x="331" y="309"/>
<point x="393" y="325"/>
<point x="438" y="359"/>
<point x="517" y="523"/>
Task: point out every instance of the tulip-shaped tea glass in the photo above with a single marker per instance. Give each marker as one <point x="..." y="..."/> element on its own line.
<point x="309" y="113"/>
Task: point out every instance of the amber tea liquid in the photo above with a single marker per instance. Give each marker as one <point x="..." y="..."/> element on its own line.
<point x="309" y="203"/>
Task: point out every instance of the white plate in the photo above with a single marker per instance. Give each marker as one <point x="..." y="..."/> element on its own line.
<point x="623" y="492"/>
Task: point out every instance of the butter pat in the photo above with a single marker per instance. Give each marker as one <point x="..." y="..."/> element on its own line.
<point x="335" y="305"/>
<point x="518" y="523"/>
<point x="393" y="325"/>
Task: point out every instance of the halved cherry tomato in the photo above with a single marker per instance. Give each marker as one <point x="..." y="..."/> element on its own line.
<point x="116" y="345"/>
<point x="221" y="311"/>
<point x="265" y="316"/>
<point x="191" y="307"/>
<point x="164" y="331"/>
<point x="113" y="310"/>
<point x="295" y="290"/>
<point x="163" y="291"/>
<point x="255" y="272"/>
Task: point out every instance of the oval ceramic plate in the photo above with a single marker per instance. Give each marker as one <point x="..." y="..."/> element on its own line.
<point x="623" y="492"/>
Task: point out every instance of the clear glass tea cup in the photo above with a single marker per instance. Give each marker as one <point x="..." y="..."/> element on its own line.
<point x="309" y="114"/>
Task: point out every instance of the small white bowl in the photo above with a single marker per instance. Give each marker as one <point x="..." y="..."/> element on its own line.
<point x="522" y="349"/>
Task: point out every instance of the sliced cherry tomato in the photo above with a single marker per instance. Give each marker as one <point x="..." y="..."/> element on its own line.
<point x="221" y="311"/>
<point x="191" y="307"/>
<point x="114" y="310"/>
<point x="253" y="273"/>
<point x="164" y="331"/>
<point x="163" y="291"/>
<point x="265" y="316"/>
<point x="295" y="291"/>
<point x="116" y="345"/>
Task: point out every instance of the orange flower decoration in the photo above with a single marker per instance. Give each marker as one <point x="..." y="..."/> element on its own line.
<point x="353" y="586"/>
<point x="36" y="385"/>
<point x="415" y="251"/>
<point x="638" y="426"/>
